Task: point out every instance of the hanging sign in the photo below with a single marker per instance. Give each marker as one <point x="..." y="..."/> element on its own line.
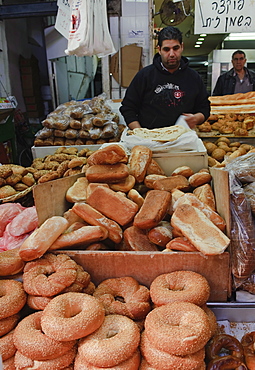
<point x="63" y="19"/>
<point x="224" y="16"/>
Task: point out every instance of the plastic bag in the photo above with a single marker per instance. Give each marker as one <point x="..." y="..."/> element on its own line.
<point x="242" y="233"/>
<point x="89" y="32"/>
<point x="243" y="167"/>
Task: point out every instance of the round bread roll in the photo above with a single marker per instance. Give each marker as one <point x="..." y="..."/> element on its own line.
<point x="200" y="178"/>
<point x="218" y="154"/>
<point x="184" y="171"/>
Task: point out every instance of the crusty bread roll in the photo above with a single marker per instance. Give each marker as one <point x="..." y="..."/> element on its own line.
<point x="154" y="168"/>
<point x="95" y="218"/>
<point x="149" y="179"/>
<point x="199" y="230"/>
<point x="173" y="182"/>
<point x="136" y="239"/>
<point x="81" y="237"/>
<point x="10" y="262"/>
<point x="181" y="243"/>
<point x="136" y="197"/>
<point x="42" y="238"/>
<point x="161" y="234"/>
<point x="206" y="195"/>
<point x="185" y="171"/>
<point x="139" y="160"/>
<point x="153" y="210"/>
<point x="125" y="185"/>
<point x="108" y="173"/>
<point x="113" y="205"/>
<point x="111" y="154"/>
<point x="199" y="178"/>
<point x="191" y="199"/>
<point x="78" y="191"/>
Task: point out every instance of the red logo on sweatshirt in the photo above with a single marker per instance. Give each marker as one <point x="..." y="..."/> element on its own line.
<point x="178" y="94"/>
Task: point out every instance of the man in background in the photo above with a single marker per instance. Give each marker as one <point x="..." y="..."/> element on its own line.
<point x="162" y="91"/>
<point x="238" y="79"/>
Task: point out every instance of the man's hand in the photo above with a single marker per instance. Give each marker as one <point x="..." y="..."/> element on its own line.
<point x="194" y="119"/>
<point x="134" y="124"/>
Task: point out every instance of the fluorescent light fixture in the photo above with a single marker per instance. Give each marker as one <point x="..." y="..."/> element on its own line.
<point x="203" y="35"/>
<point x="199" y="42"/>
<point x="240" y="36"/>
<point x="201" y="39"/>
<point x="197" y="46"/>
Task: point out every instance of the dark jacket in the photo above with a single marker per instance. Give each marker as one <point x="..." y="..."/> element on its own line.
<point x="226" y="82"/>
<point x="156" y="98"/>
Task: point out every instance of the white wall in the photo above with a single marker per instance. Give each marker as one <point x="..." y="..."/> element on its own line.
<point x="132" y="27"/>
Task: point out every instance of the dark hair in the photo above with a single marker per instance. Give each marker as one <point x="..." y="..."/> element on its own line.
<point x="238" y="52"/>
<point x="169" y="33"/>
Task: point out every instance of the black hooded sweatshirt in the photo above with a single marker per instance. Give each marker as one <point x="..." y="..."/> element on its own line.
<point x="156" y="97"/>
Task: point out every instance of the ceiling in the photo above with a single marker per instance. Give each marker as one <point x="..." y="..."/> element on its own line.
<point x="211" y="42"/>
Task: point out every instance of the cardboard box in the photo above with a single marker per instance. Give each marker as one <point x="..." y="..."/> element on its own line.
<point x="143" y="266"/>
<point x="169" y="160"/>
<point x="130" y="64"/>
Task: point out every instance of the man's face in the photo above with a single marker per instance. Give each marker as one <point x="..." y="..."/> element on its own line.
<point x="171" y="52"/>
<point x="238" y="62"/>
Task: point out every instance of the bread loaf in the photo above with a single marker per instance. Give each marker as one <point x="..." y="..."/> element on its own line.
<point x="181" y="243"/>
<point x="136" y="239"/>
<point x="153" y="210"/>
<point x="206" y="195"/>
<point x="173" y="182"/>
<point x="111" y="154"/>
<point x="113" y="205"/>
<point x="139" y="160"/>
<point x="108" y="173"/>
<point x="199" y="230"/>
<point x="191" y="199"/>
<point x="78" y="191"/>
<point x="95" y="218"/>
<point x="161" y="234"/>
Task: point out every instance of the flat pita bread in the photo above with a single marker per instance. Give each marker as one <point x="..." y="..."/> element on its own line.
<point x="163" y="134"/>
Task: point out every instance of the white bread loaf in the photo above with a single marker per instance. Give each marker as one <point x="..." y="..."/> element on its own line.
<point x="199" y="230"/>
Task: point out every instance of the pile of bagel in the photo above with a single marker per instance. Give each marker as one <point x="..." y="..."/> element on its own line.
<point x="57" y="318"/>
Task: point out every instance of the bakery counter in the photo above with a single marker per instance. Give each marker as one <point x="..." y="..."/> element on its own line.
<point x="233" y="311"/>
<point x="241" y="139"/>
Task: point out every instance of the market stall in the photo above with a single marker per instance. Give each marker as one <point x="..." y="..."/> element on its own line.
<point x="108" y="213"/>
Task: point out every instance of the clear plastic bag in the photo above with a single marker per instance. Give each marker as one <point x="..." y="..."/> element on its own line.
<point x="242" y="233"/>
<point x="243" y="167"/>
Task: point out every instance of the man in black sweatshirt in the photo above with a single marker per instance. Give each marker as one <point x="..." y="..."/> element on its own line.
<point x="166" y="89"/>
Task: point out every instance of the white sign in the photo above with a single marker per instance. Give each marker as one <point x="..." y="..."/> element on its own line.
<point x="63" y="20"/>
<point x="224" y="16"/>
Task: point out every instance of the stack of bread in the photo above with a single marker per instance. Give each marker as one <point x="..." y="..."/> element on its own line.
<point x="16" y="180"/>
<point x="87" y="122"/>
<point x="223" y="150"/>
<point x="231" y="115"/>
<point x="126" y="202"/>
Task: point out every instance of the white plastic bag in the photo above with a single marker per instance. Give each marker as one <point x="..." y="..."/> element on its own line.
<point x="89" y="33"/>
